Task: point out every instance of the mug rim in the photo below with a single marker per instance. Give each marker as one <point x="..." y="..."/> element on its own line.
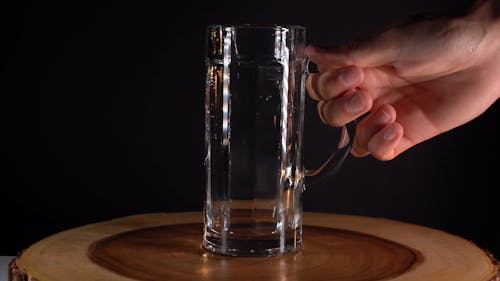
<point x="258" y="26"/>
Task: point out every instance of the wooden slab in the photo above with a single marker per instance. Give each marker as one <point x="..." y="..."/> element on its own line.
<point x="336" y="247"/>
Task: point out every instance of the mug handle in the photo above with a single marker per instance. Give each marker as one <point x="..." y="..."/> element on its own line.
<point x="332" y="165"/>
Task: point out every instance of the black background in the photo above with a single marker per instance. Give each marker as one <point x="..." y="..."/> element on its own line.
<point x="103" y="108"/>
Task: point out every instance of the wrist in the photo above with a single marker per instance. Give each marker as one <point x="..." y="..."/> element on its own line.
<point x="487" y="13"/>
<point x="483" y="23"/>
<point x="484" y="19"/>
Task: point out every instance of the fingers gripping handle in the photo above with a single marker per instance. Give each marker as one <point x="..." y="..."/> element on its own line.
<point x="332" y="165"/>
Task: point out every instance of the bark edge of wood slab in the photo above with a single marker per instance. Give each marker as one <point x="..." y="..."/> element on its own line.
<point x="437" y="255"/>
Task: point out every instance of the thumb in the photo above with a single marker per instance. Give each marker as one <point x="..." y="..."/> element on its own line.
<point x="375" y="51"/>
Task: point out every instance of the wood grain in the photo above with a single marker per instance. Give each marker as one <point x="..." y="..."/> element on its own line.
<point x="173" y="253"/>
<point x="336" y="247"/>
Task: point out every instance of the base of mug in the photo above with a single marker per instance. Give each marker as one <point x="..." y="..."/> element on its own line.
<point x="250" y="247"/>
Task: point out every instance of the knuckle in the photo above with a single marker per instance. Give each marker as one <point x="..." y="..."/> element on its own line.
<point x="335" y="122"/>
<point x="327" y="83"/>
<point x="384" y="156"/>
<point x="329" y="114"/>
<point x="358" y="150"/>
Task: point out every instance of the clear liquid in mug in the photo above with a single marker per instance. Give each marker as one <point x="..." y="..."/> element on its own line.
<point x="254" y="206"/>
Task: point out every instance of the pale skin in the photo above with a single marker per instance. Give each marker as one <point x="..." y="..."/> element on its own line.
<point x="413" y="81"/>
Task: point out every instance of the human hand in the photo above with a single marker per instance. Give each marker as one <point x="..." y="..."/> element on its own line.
<point x="415" y="81"/>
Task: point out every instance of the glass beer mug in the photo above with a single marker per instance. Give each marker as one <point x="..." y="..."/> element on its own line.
<point x="254" y="111"/>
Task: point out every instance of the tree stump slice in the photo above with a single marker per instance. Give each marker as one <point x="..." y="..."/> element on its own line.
<point x="166" y="246"/>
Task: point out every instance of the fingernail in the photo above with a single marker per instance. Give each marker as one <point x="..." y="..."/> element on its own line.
<point x="354" y="103"/>
<point x="349" y="76"/>
<point x="390" y="133"/>
<point x="382" y="117"/>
